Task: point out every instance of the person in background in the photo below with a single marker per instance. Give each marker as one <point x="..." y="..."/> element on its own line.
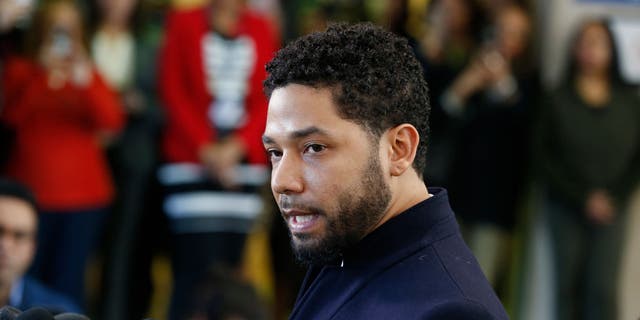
<point x="492" y="8"/>
<point x="18" y="228"/>
<point x="224" y="295"/>
<point x="63" y="115"/>
<point x="491" y="101"/>
<point x="124" y="45"/>
<point x="451" y="37"/>
<point x="588" y="153"/>
<point x="210" y="80"/>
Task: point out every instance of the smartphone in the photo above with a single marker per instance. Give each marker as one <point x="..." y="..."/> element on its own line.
<point x="61" y="43"/>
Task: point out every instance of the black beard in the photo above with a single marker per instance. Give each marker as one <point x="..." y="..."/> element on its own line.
<point x="357" y="214"/>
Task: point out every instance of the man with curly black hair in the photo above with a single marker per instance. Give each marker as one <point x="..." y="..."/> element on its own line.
<point x="346" y="136"/>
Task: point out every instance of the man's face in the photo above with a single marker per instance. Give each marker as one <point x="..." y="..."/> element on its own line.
<point x="17" y="238"/>
<point x="327" y="177"/>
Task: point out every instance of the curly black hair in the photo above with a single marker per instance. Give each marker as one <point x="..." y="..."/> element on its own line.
<point x="374" y="76"/>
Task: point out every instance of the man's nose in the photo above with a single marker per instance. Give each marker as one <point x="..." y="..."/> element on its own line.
<point x="286" y="177"/>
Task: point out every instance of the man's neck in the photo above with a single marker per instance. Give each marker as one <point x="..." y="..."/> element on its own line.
<point x="407" y="190"/>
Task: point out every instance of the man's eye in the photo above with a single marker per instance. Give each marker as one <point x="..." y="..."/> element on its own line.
<point x="314" y="148"/>
<point x="274" y="154"/>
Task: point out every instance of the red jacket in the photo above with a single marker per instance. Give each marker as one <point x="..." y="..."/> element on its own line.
<point x="57" y="151"/>
<point x="184" y="92"/>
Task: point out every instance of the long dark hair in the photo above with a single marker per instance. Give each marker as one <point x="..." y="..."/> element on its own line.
<point x="615" y="76"/>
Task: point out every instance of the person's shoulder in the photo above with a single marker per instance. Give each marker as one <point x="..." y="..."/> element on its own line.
<point x="37" y="294"/>
<point x="463" y="291"/>
<point x="626" y="92"/>
<point x="438" y="281"/>
<point x="256" y="18"/>
<point x="446" y="264"/>
<point x="450" y="263"/>
<point x="256" y="22"/>
<point x="461" y="309"/>
<point x="461" y="270"/>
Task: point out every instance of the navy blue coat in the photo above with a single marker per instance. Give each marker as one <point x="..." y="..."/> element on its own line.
<point x="35" y="294"/>
<point x="415" y="266"/>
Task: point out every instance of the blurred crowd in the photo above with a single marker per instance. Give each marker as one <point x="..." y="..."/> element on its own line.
<point x="132" y="128"/>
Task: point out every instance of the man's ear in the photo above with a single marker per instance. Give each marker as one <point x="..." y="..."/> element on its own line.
<point x="403" y="140"/>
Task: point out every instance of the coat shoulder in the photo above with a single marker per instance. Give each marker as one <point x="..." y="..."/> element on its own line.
<point x="37" y="294"/>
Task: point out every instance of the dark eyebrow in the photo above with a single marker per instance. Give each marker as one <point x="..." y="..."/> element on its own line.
<point x="298" y="134"/>
<point x="267" y="140"/>
<point x="302" y="133"/>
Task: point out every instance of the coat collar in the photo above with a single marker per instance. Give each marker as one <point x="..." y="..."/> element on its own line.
<point x="407" y="231"/>
<point x="326" y="287"/>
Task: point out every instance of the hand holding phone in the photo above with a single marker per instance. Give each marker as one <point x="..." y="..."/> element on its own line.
<point x="65" y="60"/>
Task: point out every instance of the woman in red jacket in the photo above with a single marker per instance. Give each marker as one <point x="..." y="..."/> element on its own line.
<point x="210" y="79"/>
<point x="62" y="113"/>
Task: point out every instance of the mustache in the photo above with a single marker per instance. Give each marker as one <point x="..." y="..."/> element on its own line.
<point x="288" y="203"/>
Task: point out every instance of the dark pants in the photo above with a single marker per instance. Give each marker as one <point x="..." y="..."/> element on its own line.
<point x="65" y="241"/>
<point x="587" y="262"/>
<point x="193" y="255"/>
<point x="135" y="233"/>
<point x="135" y="229"/>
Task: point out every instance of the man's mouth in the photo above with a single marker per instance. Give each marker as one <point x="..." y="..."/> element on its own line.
<point x="301" y="222"/>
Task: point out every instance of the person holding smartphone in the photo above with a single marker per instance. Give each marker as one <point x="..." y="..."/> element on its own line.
<point x="490" y="102"/>
<point x="63" y="114"/>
